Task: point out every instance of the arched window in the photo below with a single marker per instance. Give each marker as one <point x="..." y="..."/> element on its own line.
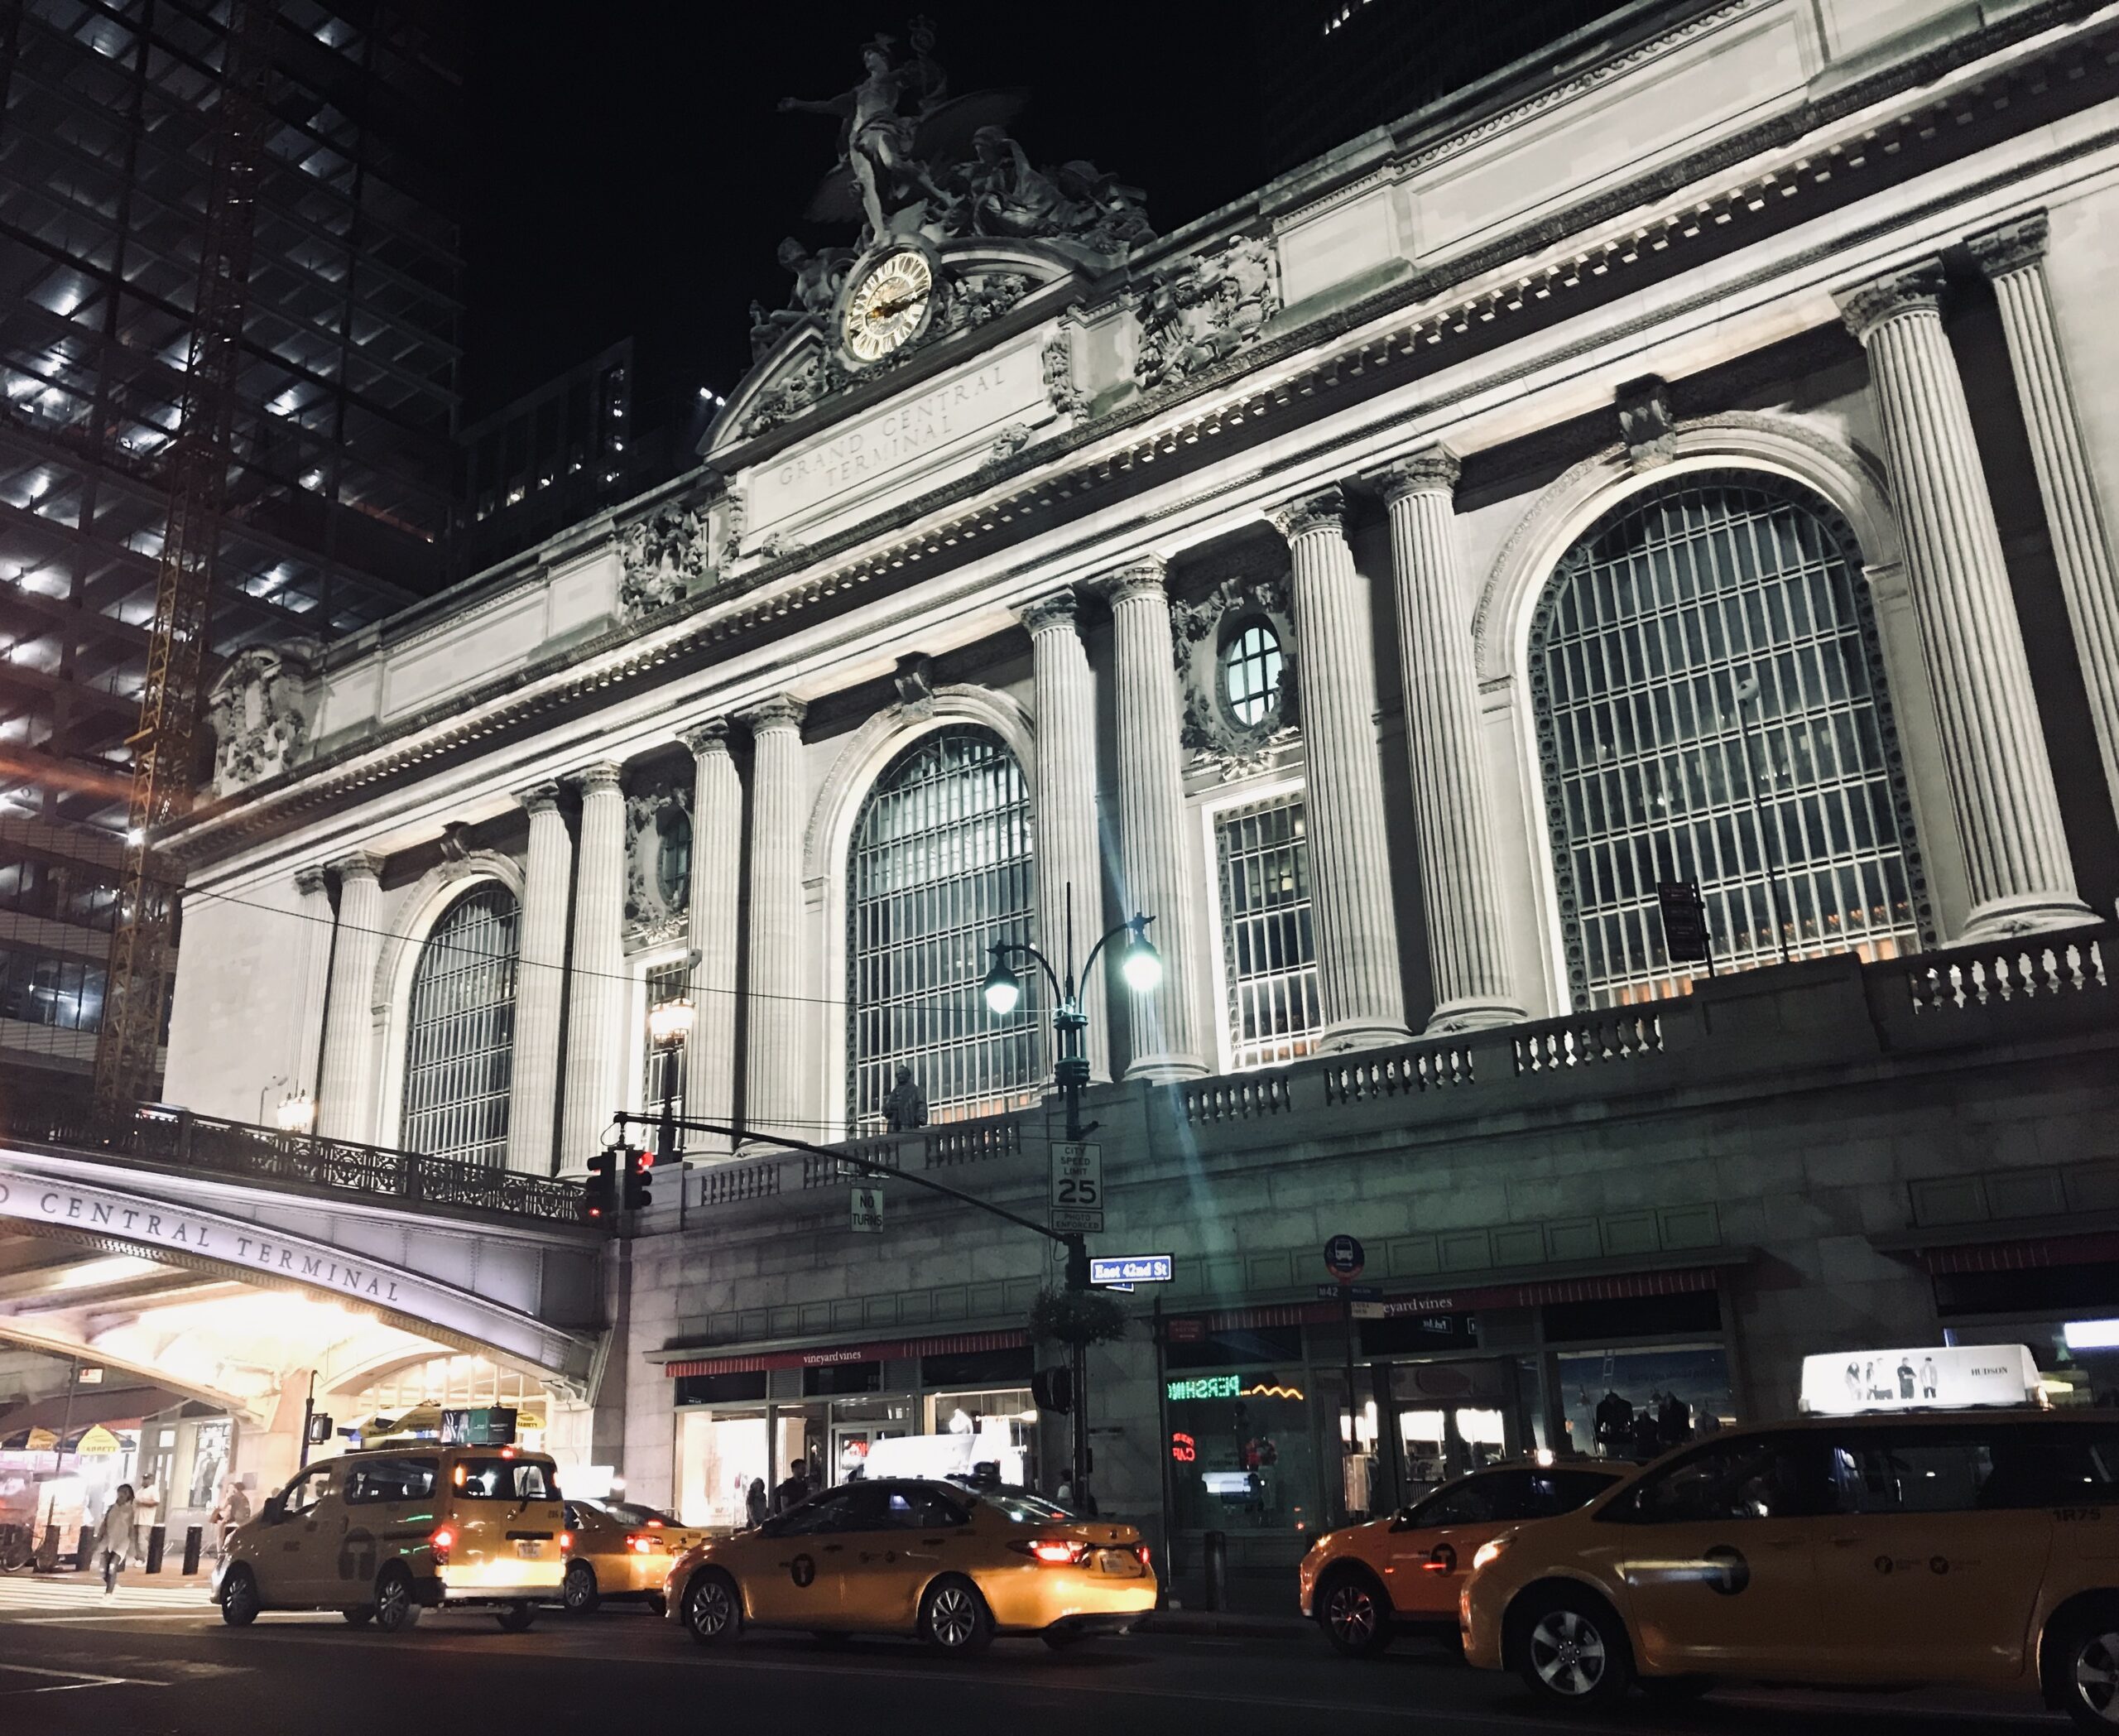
<point x="460" y="1047"/>
<point x="1783" y="801"/>
<point x="940" y="870"/>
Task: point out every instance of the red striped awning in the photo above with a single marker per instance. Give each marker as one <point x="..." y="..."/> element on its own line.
<point x="2030" y="1255"/>
<point x="820" y="1356"/>
<point x="1604" y="1287"/>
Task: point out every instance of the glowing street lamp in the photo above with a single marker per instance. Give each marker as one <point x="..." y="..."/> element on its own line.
<point x="296" y="1113"/>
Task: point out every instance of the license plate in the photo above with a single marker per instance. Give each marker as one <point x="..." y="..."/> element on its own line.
<point x="529" y="1551"/>
<point x="1122" y="1561"/>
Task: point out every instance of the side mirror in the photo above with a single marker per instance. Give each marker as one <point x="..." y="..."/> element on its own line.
<point x="274" y="1510"/>
<point x="1402" y="1520"/>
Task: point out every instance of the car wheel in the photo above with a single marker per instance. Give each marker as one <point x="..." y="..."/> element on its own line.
<point x="360" y="1616"/>
<point x="578" y="1590"/>
<point x="1354" y="1613"/>
<point x="516" y="1617"/>
<point x="1573" y="1651"/>
<point x="713" y="1610"/>
<point x="954" y="1616"/>
<point x="239" y="1600"/>
<point x="397" y="1610"/>
<point x="2084" y="1668"/>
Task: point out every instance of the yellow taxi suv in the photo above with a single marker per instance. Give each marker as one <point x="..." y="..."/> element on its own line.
<point x="622" y="1552"/>
<point x="1874" y="1552"/>
<point x="381" y="1536"/>
<point x="1364" y="1585"/>
<point x="954" y="1566"/>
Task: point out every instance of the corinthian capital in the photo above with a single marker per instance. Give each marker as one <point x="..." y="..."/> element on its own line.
<point x="358" y="865"/>
<point x="2011" y="247"/>
<point x="1918" y="288"/>
<point x="602" y="776"/>
<point x="1431" y="470"/>
<point x="541" y="798"/>
<point x="1325" y="509"/>
<point x="709" y="737"/>
<point x="1141" y="578"/>
<point x="782" y="711"/>
<point x="1055" y="610"/>
<point x="309" y="881"/>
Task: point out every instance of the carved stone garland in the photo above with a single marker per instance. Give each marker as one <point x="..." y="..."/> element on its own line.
<point x="658" y="821"/>
<point x="1201" y="631"/>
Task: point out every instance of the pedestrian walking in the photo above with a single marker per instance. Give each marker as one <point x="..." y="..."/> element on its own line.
<point x="115" y="1536"/>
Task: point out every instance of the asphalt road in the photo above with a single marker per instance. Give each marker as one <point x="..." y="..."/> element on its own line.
<point x="152" y="1664"/>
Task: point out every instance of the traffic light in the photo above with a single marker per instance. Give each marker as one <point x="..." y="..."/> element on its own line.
<point x="602" y="1185"/>
<point x="639" y="1180"/>
<point x="1053" y="1389"/>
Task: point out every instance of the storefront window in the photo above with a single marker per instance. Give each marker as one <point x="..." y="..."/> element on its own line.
<point x="1633" y="1404"/>
<point x="1453" y="1417"/>
<point x="1242" y="1454"/>
<point x="719" y="1454"/>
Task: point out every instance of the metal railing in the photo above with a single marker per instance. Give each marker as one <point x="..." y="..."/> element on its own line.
<point x="156" y="1133"/>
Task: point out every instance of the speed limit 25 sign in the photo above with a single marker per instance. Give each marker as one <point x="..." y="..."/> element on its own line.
<point x="1077" y="1188"/>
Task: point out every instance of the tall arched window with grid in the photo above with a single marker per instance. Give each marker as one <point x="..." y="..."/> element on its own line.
<point x="1711" y="707"/>
<point x="940" y="870"/>
<point x="459" y="1046"/>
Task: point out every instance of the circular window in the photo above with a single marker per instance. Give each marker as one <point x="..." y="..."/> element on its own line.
<point x="1250" y="673"/>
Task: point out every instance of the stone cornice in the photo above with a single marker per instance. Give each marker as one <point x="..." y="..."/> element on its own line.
<point x="782" y="711"/>
<point x="2014" y="245"/>
<point x="1917" y="289"/>
<point x="1322" y="509"/>
<point x="1431" y="470"/>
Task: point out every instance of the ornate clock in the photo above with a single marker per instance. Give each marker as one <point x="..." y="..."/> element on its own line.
<point x="888" y="304"/>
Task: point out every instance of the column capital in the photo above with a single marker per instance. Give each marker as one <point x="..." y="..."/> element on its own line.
<point x="1323" y="509"/>
<point x="1141" y="578"/>
<point x="709" y="737"/>
<point x="1055" y="610"/>
<point x="541" y="798"/>
<point x="358" y="864"/>
<point x="782" y="711"/>
<point x="603" y="776"/>
<point x="309" y="881"/>
<point x="1917" y="289"/>
<point x="2013" y="246"/>
<point x="1431" y="470"/>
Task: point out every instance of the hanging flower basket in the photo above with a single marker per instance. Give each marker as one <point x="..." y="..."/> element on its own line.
<point x="1076" y="1317"/>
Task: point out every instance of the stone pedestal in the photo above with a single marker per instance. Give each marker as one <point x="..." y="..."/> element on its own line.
<point x="2001" y="791"/>
<point x="1067" y="848"/>
<point x="1460" y="894"/>
<point x="717" y="872"/>
<point x="776" y="1097"/>
<point x="346" y="1090"/>
<point x="539" y="986"/>
<point x="1165" y="1024"/>
<point x="2014" y="257"/>
<point x="313" y="971"/>
<point x="596" y="998"/>
<point x="1358" y="979"/>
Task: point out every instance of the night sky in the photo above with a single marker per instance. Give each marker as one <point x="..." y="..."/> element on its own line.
<point x="628" y="173"/>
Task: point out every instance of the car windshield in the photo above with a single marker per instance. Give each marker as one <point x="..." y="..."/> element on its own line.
<point x="1024" y="1507"/>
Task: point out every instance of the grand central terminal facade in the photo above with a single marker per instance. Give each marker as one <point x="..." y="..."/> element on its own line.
<point x="1688" y="460"/>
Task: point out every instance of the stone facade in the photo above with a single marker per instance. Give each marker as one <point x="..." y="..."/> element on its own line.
<point x="1850" y="256"/>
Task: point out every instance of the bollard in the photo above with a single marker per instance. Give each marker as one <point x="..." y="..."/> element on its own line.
<point x="193" y="1538"/>
<point x="47" y="1557"/>
<point x="83" y="1549"/>
<point x="1216" y="1564"/>
<point x="158" y="1537"/>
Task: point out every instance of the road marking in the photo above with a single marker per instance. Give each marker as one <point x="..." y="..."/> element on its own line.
<point x="67" y="1681"/>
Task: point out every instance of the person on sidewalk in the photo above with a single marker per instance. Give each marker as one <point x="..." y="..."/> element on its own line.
<point x="115" y="1536"/>
<point x="795" y="1489"/>
<point x="234" y="1511"/>
<point x="757" y="1506"/>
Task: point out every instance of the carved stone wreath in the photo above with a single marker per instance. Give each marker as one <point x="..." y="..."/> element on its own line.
<point x="661" y="557"/>
<point x="1201" y="632"/>
<point x="261" y="711"/>
<point x="658" y="835"/>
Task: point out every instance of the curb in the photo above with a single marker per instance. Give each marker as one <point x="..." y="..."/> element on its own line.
<point x="1224" y="1624"/>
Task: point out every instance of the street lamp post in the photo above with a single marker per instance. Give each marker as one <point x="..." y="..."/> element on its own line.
<point x="1142" y="966"/>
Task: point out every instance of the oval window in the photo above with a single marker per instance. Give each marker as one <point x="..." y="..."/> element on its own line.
<point x="1250" y="673"/>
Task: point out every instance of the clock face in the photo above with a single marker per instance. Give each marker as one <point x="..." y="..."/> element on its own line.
<point x="888" y="306"/>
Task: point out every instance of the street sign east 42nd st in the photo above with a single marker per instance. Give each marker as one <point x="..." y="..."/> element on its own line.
<point x="1133" y="1269"/>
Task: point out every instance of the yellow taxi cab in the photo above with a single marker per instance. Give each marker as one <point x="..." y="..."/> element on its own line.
<point x="1364" y="1585"/>
<point x="1915" y="1548"/>
<point x="954" y="1565"/>
<point x="382" y="1535"/>
<point x="622" y="1551"/>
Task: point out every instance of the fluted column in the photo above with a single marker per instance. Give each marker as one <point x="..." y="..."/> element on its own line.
<point x="540" y="985"/>
<point x="345" y="1092"/>
<point x="717" y="872"/>
<point x="313" y="969"/>
<point x="1165" y="1024"/>
<point x="1358" y="983"/>
<point x="2014" y="257"/>
<point x="2001" y="791"/>
<point x="1460" y="893"/>
<point x="596" y="998"/>
<point x="775" y="1079"/>
<point x="1067" y="850"/>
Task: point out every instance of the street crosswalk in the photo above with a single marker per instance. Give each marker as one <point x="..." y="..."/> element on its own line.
<point x="36" y="1593"/>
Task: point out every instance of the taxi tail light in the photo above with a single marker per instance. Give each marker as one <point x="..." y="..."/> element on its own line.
<point x="640" y="1544"/>
<point x="566" y="1542"/>
<point x="1141" y="1551"/>
<point x="441" y="1542"/>
<point x="1051" y="1552"/>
